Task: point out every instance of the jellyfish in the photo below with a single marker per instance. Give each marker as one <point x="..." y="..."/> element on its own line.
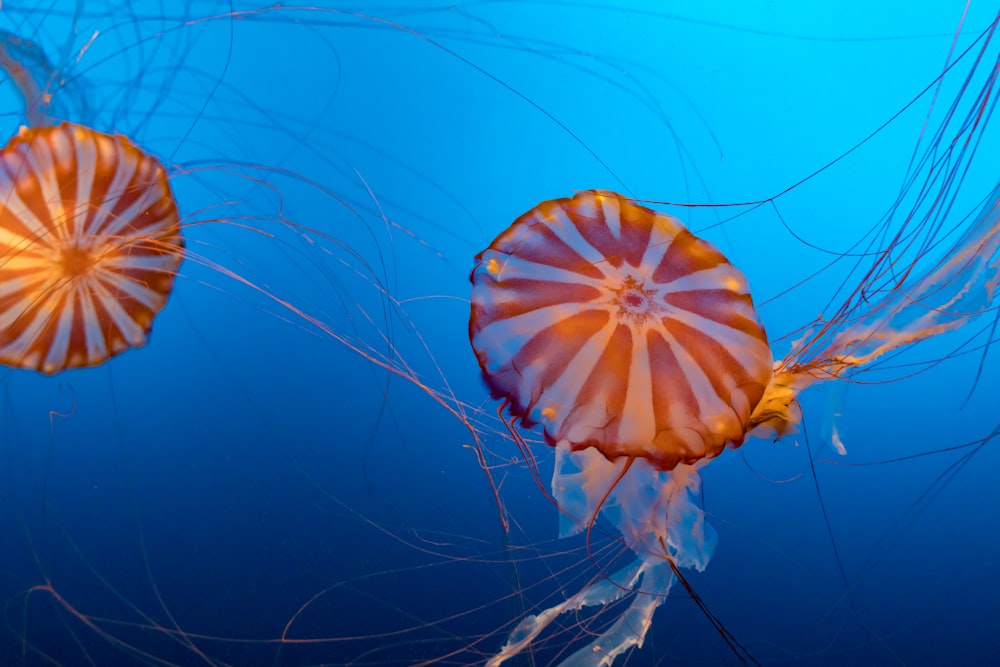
<point x="91" y="244"/>
<point x="637" y="348"/>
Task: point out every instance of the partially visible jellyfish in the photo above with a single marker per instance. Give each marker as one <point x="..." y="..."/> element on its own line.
<point x="89" y="246"/>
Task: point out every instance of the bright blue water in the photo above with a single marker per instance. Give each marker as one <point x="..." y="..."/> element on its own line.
<point x="186" y="499"/>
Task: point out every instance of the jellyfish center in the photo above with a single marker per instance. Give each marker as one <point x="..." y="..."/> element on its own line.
<point x="76" y="261"/>
<point x="635" y="303"/>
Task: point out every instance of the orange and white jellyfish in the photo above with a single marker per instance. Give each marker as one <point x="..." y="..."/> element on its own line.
<point x="89" y="246"/>
<point x="637" y="348"/>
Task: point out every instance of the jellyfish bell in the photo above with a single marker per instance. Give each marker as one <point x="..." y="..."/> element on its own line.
<point x="616" y="328"/>
<point x="91" y="244"/>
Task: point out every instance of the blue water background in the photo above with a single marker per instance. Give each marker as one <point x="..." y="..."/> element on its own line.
<point x="190" y="497"/>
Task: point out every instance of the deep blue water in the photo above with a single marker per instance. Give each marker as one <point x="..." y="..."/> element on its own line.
<point x="250" y="475"/>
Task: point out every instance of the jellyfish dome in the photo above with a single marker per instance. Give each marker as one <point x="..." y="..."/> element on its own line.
<point x="90" y="244"/>
<point x="616" y="328"/>
<point x="637" y="348"/>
